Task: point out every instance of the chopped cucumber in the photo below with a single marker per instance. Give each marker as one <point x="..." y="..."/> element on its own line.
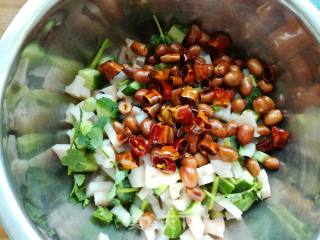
<point x="159" y="190"/>
<point x="89" y="105"/>
<point x="173" y="226"/>
<point x="177" y="33"/>
<point x="91" y="77"/>
<point x="226" y="185"/>
<point x="31" y="144"/>
<point x="131" y="88"/>
<point x="231" y="142"/>
<point x="260" y="156"/>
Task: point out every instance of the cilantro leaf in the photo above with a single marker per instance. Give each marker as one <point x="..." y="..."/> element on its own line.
<point x="120" y="176"/>
<point x="101" y="122"/>
<point x="78" y="161"/>
<point x="254" y="94"/>
<point x="107" y="108"/>
<point x="95" y="137"/>
<point x="103" y="214"/>
<point x="78" y="192"/>
<point x="79" y="179"/>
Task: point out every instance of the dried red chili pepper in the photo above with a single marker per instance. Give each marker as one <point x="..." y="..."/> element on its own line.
<point x="279" y="137"/>
<point x="188" y="74"/>
<point x="164" y="165"/>
<point x="182" y="114"/>
<point x="220" y="42"/>
<point x="139" y="146"/>
<point x="124" y="135"/>
<point x="126" y="160"/>
<point x="202" y="72"/>
<point x="166" y="152"/>
<point x="161" y="134"/>
<point x="269" y="73"/>
<point x="222" y="97"/>
<point x="265" y="145"/>
<point x="166" y="90"/>
<point x="181" y="145"/>
<point x="208" y="146"/>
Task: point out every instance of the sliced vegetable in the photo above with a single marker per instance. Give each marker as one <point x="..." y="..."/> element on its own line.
<point x="91" y="77"/>
<point x="173" y="226"/>
<point x="131" y="88"/>
<point x="122" y="215"/>
<point x="78" y="161"/>
<point x="177" y="33"/>
<point x="105" y="44"/>
<point x="103" y="214"/>
<point x="107" y="108"/>
<point x="226" y="185"/>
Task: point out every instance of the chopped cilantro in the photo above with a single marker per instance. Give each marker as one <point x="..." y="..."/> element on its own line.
<point x="107" y="108"/>
<point x="103" y="214"/>
<point x="78" y="192"/>
<point x="77" y="161"/>
<point x="156" y="39"/>
<point x="254" y="94"/>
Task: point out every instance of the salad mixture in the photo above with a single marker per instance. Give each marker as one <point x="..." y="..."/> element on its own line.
<point x="172" y="137"/>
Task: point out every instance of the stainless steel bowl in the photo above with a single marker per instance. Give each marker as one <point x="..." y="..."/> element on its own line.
<point x="286" y="32"/>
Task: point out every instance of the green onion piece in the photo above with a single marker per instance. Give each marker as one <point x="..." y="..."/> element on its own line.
<point x="144" y="205"/>
<point x="260" y="156"/>
<point x="226" y="185"/>
<point x="127" y="190"/>
<point x="213" y="192"/>
<point x="131" y="88"/>
<point x="158" y="26"/>
<point x="106" y="44"/>
<point x="123" y="83"/>
<point x="176" y="33"/>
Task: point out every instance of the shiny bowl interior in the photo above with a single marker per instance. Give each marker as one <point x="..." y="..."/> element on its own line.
<point x="283" y="32"/>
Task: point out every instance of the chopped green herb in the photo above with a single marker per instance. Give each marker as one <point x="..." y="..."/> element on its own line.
<point x="107" y="108"/>
<point x="103" y="214"/>
<point x="155" y="40"/>
<point x="78" y="194"/>
<point x="254" y="94"/>
<point x="77" y="161"/>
